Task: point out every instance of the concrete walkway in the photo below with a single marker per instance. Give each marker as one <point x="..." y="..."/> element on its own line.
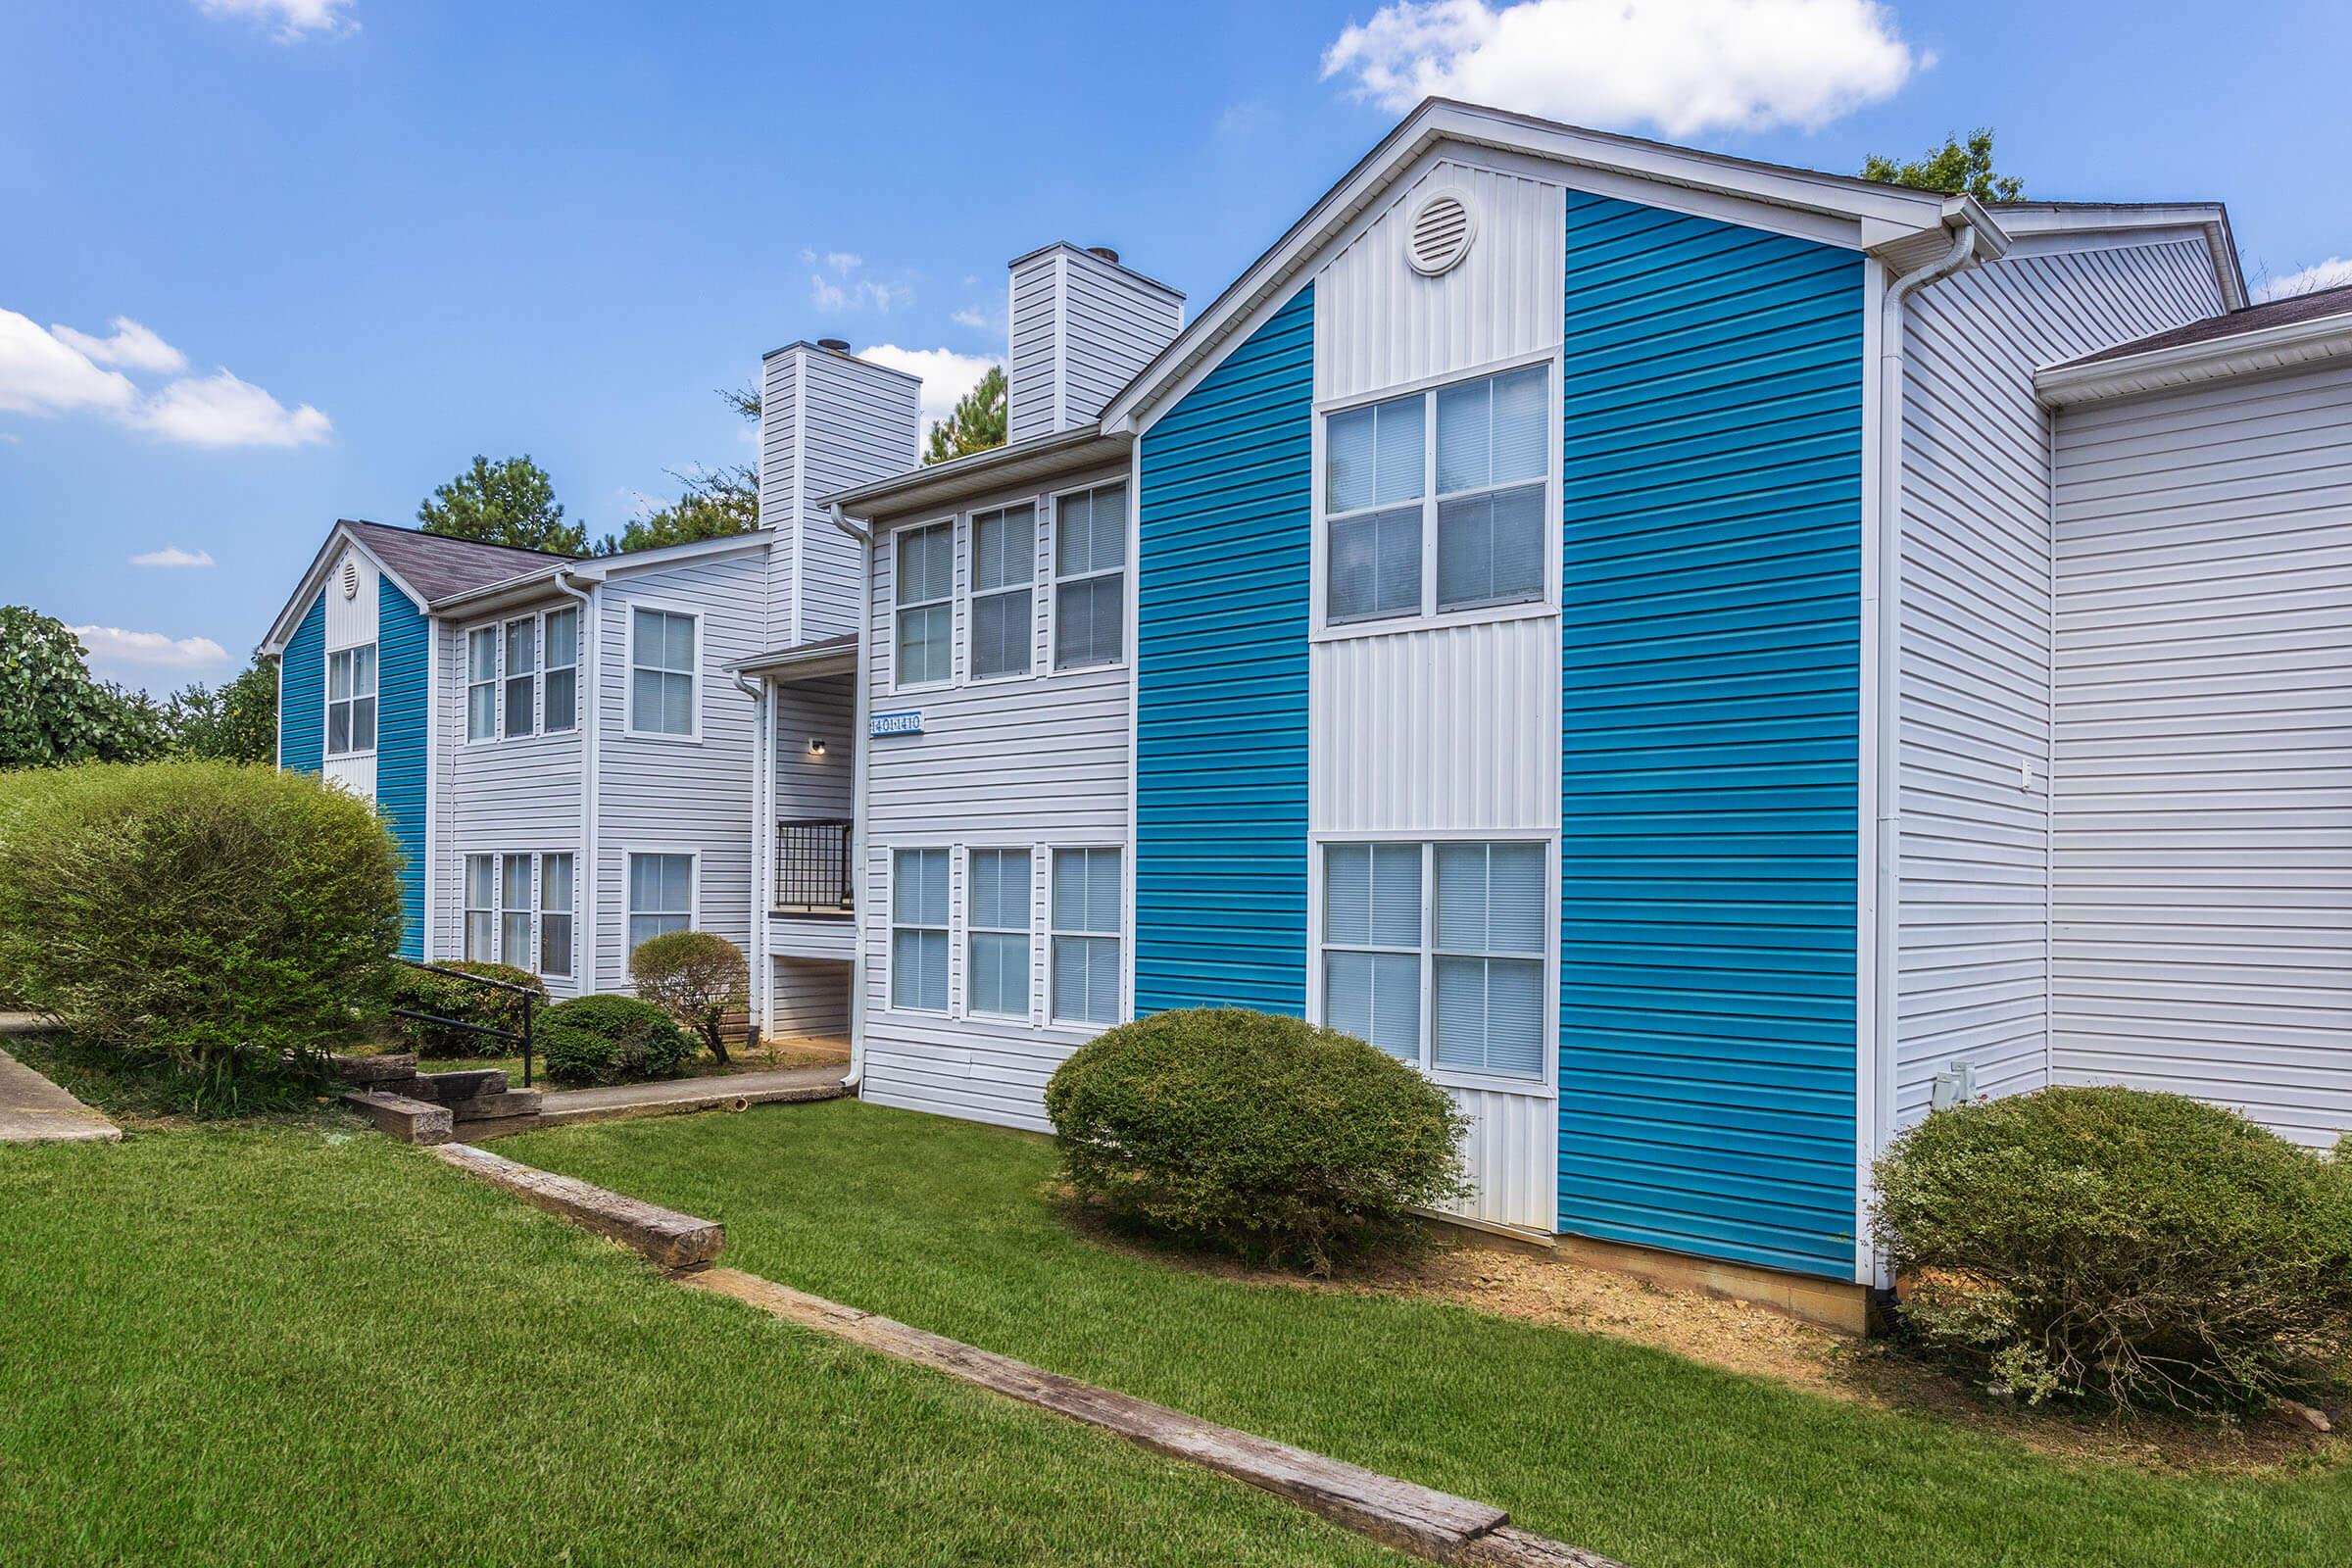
<point x="34" y="1110"/>
<point x="676" y="1097"/>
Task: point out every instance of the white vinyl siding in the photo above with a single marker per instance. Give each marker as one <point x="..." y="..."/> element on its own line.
<point x="1089" y="578"/>
<point x="560" y="703"/>
<point x="555" y="894"/>
<point x="351" y="701"/>
<point x="996" y="963"/>
<point x="925" y="639"/>
<point x="481" y="683"/>
<point x="661" y="895"/>
<point x="1003" y="577"/>
<point x="1088" y="893"/>
<point x="918" y="931"/>
<point x="663" y="686"/>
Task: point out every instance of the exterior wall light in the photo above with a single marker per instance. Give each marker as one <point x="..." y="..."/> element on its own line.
<point x="816" y="748"/>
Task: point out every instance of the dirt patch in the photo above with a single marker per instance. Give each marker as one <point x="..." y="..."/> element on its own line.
<point x="1758" y="1342"/>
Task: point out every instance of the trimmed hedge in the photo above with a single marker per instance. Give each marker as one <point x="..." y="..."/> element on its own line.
<point x="228" y="917"/>
<point x="697" y="977"/>
<point x="611" y="1040"/>
<point x="2120" y="1245"/>
<point x="1256" y="1133"/>
<point x="421" y="992"/>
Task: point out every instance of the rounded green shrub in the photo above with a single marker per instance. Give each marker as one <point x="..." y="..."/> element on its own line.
<point x="697" y="977"/>
<point x="2120" y="1245"/>
<point x="422" y="990"/>
<point x="215" y="914"/>
<point x="611" y="1040"/>
<point x="1256" y="1133"/>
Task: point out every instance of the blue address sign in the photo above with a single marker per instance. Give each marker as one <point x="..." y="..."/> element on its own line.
<point x="910" y="721"/>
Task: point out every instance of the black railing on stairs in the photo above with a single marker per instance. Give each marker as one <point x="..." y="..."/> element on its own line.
<point x="529" y="997"/>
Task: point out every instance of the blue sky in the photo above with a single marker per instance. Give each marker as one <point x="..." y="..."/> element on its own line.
<point x="361" y="240"/>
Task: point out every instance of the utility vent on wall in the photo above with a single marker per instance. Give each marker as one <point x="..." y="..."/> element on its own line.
<point x="1443" y="226"/>
<point x="351" y="578"/>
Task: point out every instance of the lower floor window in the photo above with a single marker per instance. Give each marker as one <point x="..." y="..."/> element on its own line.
<point x="1435" y="952"/>
<point x="918" y="930"/>
<point x="519" y="910"/>
<point x="661" y="895"/>
<point x="1088" y="899"/>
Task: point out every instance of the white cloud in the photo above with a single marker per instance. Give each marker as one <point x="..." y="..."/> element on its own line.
<point x="969" y="317"/>
<point x="220" y="411"/>
<point x="2334" y="272"/>
<point x="172" y="556"/>
<point x="133" y="347"/>
<point x="38" y="375"/>
<point x="125" y="655"/>
<point x="1683" y="65"/>
<point x="842" y="292"/>
<point x="946" y="375"/>
<point x="292" y="21"/>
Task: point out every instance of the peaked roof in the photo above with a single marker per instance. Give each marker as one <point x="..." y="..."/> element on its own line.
<point x="2306" y="329"/>
<point x="436" y="566"/>
<point x="2313" y="306"/>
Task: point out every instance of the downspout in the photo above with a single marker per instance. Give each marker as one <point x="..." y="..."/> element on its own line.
<point x="1887" y="765"/>
<point x="857" y="744"/>
<point x="584" y="881"/>
<point x="763" y="816"/>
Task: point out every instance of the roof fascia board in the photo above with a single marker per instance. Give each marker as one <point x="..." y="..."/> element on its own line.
<point x="2210" y="218"/>
<point x="607" y="567"/>
<point x="281" y="630"/>
<point x="997" y="467"/>
<point x="2275" y="348"/>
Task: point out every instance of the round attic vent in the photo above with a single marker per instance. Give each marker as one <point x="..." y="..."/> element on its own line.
<point x="351" y="578"/>
<point x="1443" y="225"/>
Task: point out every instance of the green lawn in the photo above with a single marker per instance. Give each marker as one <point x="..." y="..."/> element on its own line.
<point x="1614" y="1446"/>
<point x="296" y="1346"/>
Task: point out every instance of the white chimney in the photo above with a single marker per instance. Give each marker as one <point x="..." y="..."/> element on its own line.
<point x="1082" y="325"/>
<point x="827" y="420"/>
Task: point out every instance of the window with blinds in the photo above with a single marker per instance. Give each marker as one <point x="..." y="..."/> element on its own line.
<point x="561" y="698"/>
<point x="661" y="895"/>
<point x="1436" y="501"/>
<point x="481" y="908"/>
<point x="924" y="646"/>
<point x="554" y="914"/>
<point x="1435" y="952"/>
<point x="1003" y="577"/>
<point x="481" y="683"/>
<point x="1089" y="578"/>
<point x="521" y="683"/>
<point x="1087" y="926"/>
<point x="661" y="672"/>
<point x="996" y="923"/>
<point x="918" y="930"/>
<point x="351" y="701"/>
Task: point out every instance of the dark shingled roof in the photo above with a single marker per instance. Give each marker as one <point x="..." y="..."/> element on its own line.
<point x="2313" y="306"/>
<point x="437" y="567"/>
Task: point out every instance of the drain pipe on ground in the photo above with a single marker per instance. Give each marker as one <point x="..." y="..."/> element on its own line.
<point x="858" y="738"/>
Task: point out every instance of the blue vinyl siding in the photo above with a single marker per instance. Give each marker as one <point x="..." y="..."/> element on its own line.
<point x="1711" y="651"/>
<point x="301" y="694"/>
<point x="403" y="684"/>
<point x="1226" y="531"/>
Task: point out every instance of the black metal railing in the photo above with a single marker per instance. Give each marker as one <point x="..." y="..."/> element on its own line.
<point x="813" y="867"/>
<point x="529" y="997"/>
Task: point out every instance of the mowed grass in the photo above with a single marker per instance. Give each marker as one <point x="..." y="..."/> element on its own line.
<point x="289" y="1347"/>
<point x="1613" y="1447"/>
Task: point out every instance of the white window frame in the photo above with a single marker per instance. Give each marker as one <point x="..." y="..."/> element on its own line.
<point x="468" y="909"/>
<point x="628" y="910"/>
<point x="506" y="680"/>
<point x="961" y="932"/>
<point x="629" y="726"/>
<point x="328" y="702"/>
<point x="535" y="951"/>
<point x="956" y="532"/>
<point x="548" y="667"/>
<point x="493" y="681"/>
<point x="971" y="592"/>
<point x="1055" y="579"/>
<point x="1427" y="388"/>
<point x="1124" y="936"/>
<point x="891" y="929"/>
<point x="570" y="913"/>
<point x="1544" y="1086"/>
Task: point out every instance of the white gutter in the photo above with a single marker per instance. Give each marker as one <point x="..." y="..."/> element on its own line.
<point x="1877" y="1107"/>
<point x="858" y="749"/>
<point x="584" y="881"/>
<point x="764" y="826"/>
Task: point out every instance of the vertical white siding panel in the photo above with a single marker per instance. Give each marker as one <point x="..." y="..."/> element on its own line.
<point x="1973" y="969"/>
<point x="1081" y="328"/>
<point x="2204" y="791"/>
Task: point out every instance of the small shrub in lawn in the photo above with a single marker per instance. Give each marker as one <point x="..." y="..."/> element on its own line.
<point x="1260" y="1134"/>
<point x="2119" y="1246"/>
<point x="611" y="1040"/>
<point x="697" y="977"/>
<point x="420" y="991"/>
<point x="226" y="920"/>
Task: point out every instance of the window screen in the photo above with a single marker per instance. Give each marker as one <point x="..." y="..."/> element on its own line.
<point x="481" y="683"/>
<point x="997" y="924"/>
<point x="661" y="895"/>
<point x="554" y="914"/>
<point x="522" y="664"/>
<point x="1372" y="944"/>
<point x="1488" y="985"/>
<point x="560" y="698"/>
<point x="918" y="930"/>
<point x="1087" y="922"/>
<point x="661" y="672"/>
<point x="1090" y="591"/>
<point x="1004" y="572"/>
<point x="926" y="588"/>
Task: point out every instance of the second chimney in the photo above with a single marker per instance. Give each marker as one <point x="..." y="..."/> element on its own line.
<point x="1082" y="324"/>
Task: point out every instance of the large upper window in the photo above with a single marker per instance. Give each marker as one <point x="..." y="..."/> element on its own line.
<point x="522" y="666"/>
<point x="561" y="699"/>
<point x="351" y="701"/>
<point x="1004" y="579"/>
<point x="661" y="672"/>
<point x="997" y="927"/>
<point x="481" y="683"/>
<point x="918" y="930"/>
<point x="1087" y="924"/>
<point x="661" y="895"/>
<point x="1089" y="578"/>
<point x="1436" y="501"/>
<point x="926" y="611"/>
<point x="1435" y="952"/>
